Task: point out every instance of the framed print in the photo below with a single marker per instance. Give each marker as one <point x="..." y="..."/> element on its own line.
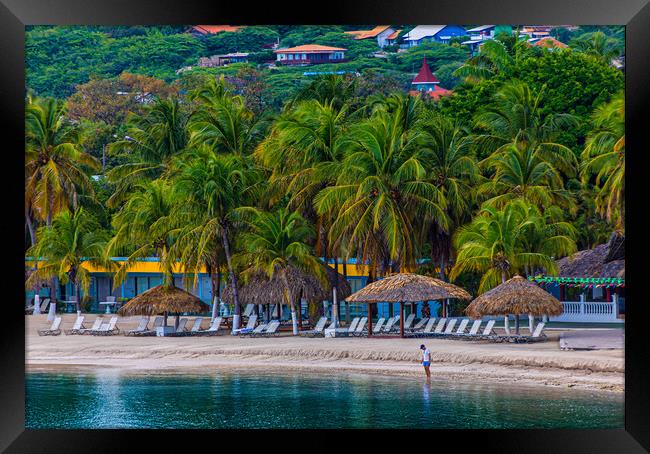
<point x="260" y="218"/>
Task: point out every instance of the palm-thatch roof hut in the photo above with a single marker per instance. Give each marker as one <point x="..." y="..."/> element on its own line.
<point x="261" y="290"/>
<point x="606" y="260"/>
<point x="514" y="297"/>
<point x="163" y="300"/>
<point x="406" y="288"/>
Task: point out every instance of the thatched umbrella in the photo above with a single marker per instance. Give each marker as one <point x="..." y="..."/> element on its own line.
<point x="516" y="296"/>
<point x="163" y="300"/>
<point x="406" y="288"/>
<point x="259" y="289"/>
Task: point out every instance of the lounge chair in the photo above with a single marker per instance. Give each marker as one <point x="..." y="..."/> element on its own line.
<point x="44" y="304"/>
<point x="248" y="310"/>
<point x="449" y="329"/>
<point x="257" y="330"/>
<point x="213" y="330"/>
<point x="438" y="331"/>
<point x="78" y="324"/>
<point x="142" y="327"/>
<point x="180" y="331"/>
<point x="473" y="331"/>
<point x="318" y="330"/>
<point x="418" y="326"/>
<point x="427" y="329"/>
<point x="158" y="321"/>
<point x="487" y="332"/>
<point x="358" y="331"/>
<point x="96" y="325"/>
<point x="54" y="329"/>
<point x="270" y="330"/>
<point x="461" y="328"/>
<point x="408" y="322"/>
<point x="535" y="336"/>
<point x="376" y="328"/>
<point x="107" y="329"/>
<point x="388" y="327"/>
<point x="250" y="325"/>
<point x="196" y="326"/>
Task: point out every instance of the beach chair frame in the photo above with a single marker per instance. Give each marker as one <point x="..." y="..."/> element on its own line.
<point x="78" y="325"/>
<point x="54" y="329"/>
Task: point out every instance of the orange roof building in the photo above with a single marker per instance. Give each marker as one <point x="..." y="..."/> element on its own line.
<point x="379" y="33"/>
<point x="310" y="54"/>
<point x="213" y="29"/>
<point x="550" y="42"/>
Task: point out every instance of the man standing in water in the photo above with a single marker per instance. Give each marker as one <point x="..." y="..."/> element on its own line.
<point x="426" y="360"/>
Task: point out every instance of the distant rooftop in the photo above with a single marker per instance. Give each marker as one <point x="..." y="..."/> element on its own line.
<point x="364" y="34"/>
<point x="309" y="48"/>
<point x="212" y="29"/>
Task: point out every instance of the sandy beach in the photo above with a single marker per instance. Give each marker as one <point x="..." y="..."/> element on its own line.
<point x="542" y="363"/>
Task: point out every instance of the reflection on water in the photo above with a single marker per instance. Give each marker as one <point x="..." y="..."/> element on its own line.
<point x="115" y="399"/>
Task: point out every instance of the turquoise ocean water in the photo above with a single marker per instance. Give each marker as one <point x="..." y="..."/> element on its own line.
<point x="112" y="398"/>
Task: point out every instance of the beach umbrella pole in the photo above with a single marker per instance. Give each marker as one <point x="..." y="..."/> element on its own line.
<point x="335" y="309"/>
<point x="531" y="322"/>
<point x="369" y="320"/>
<point x="214" y="307"/>
<point x="506" y="324"/>
<point x="401" y="319"/>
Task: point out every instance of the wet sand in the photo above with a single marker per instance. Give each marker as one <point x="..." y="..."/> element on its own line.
<point x="542" y="363"/>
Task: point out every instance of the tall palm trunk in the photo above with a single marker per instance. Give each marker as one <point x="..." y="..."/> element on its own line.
<point x="347" y="305"/>
<point x="506" y="319"/>
<point x="290" y="302"/>
<point x="30" y="227"/>
<point x="233" y="277"/>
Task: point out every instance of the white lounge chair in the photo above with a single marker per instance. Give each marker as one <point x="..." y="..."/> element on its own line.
<point x="419" y="325"/>
<point x="388" y="327"/>
<point x="449" y="329"/>
<point x="180" y="331"/>
<point x="376" y="328"/>
<point x="488" y="331"/>
<point x="107" y="329"/>
<point x="270" y="330"/>
<point x="250" y="325"/>
<point x="212" y="330"/>
<point x="54" y="329"/>
<point x="78" y="324"/>
<point x="439" y="328"/>
<point x="473" y="331"/>
<point x="358" y="331"/>
<point x="318" y="330"/>
<point x="408" y="322"/>
<point x="142" y="327"/>
<point x="248" y="310"/>
<point x="535" y="336"/>
<point x="461" y="328"/>
<point x="196" y="326"/>
<point x="96" y="325"/>
<point x="427" y="328"/>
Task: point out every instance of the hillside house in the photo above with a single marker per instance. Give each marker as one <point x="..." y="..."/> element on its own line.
<point x="310" y="54"/>
<point x="380" y="33"/>
<point x="429" y="33"/>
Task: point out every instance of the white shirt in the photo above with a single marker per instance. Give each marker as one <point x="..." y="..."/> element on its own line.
<point x="426" y="355"/>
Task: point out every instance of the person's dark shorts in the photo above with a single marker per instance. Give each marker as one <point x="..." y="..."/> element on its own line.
<point x="425" y="363"/>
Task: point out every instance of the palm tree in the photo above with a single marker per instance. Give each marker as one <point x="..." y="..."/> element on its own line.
<point x="598" y="45"/>
<point x="523" y="171"/>
<point x="73" y="238"/>
<point x="277" y="242"/>
<point x="144" y="226"/>
<point x="210" y="188"/>
<point x="152" y="140"/>
<point x="223" y="122"/>
<point x="604" y="157"/>
<point x="452" y="168"/>
<point x="494" y="244"/>
<point x="516" y="116"/>
<point x="333" y="89"/>
<point x="379" y="191"/>
<point x="55" y="164"/>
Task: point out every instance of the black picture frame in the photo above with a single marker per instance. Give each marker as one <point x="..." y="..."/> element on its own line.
<point x="15" y="14"/>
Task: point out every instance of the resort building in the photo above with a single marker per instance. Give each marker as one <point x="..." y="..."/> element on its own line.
<point x="425" y="82"/>
<point x="590" y="284"/>
<point x="429" y="33"/>
<point x="392" y="38"/>
<point x="222" y="60"/>
<point x="310" y="54"/>
<point x="380" y="33"/>
<point x="478" y="35"/>
<point x="536" y="31"/>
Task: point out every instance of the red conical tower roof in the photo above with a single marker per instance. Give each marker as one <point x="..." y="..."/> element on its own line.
<point x="425" y="75"/>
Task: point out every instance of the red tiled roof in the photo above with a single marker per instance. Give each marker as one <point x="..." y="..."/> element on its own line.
<point x="309" y="48"/>
<point x="437" y="92"/>
<point x="212" y="29"/>
<point x="550" y="42"/>
<point x="364" y="34"/>
<point x="394" y="34"/>
<point x="425" y="75"/>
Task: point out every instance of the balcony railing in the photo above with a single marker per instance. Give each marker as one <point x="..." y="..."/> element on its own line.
<point x="588" y="311"/>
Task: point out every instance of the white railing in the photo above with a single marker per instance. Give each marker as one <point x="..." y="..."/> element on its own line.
<point x="588" y="311"/>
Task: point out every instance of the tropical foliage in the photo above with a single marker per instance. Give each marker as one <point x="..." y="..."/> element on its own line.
<point x="243" y="170"/>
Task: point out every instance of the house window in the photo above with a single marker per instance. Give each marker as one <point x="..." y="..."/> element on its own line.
<point x="290" y="56"/>
<point x="304" y="56"/>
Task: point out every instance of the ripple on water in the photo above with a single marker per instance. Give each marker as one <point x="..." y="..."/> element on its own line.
<point x="117" y="399"/>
